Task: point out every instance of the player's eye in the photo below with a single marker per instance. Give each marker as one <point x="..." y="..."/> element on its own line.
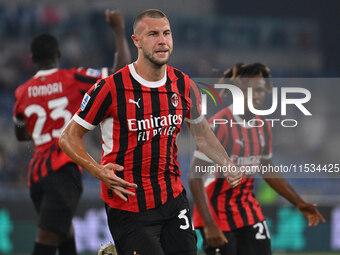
<point x="260" y="90"/>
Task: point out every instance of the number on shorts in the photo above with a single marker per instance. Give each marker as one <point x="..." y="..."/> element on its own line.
<point x="261" y="226"/>
<point x="182" y="215"/>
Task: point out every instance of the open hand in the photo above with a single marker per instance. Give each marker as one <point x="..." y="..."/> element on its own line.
<point x="117" y="184"/>
<point x="311" y="213"/>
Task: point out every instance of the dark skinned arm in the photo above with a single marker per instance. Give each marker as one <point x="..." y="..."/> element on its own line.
<point x="281" y="186"/>
<point x="212" y="232"/>
<point x="122" y="55"/>
<point x="212" y="148"/>
<point x="21" y="130"/>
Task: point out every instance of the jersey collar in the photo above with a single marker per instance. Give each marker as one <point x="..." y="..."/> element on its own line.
<point x="45" y="72"/>
<point x="150" y="84"/>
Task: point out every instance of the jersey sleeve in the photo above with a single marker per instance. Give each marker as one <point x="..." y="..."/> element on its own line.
<point x="84" y="78"/>
<point x="95" y="105"/>
<point x="268" y="133"/>
<point x="194" y="115"/>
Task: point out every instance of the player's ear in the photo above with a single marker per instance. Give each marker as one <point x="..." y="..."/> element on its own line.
<point x="135" y="40"/>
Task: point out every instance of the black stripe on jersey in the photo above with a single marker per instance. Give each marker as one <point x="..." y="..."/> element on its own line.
<point x="121" y="112"/>
<point x="48" y="165"/>
<point x="242" y="148"/>
<point x="92" y="95"/>
<point x="102" y="109"/>
<point x="215" y="195"/>
<point x="181" y="89"/>
<point x="48" y="160"/>
<point x="252" y="205"/>
<point x="36" y="159"/>
<point x="41" y="161"/>
<point x="168" y="146"/>
<point x="239" y="204"/>
<point x="259" y="149"/>
<point x="155" y="150"/>
<point x="250" y="141"/>
<point x="266" y="136"/>
<point x="228" y="210"/>
<point x="230" y="142"/>
<point x="251" y="151"/>
<point x="85" y="79"/>
<point x="138" y="151"/>
<point x="239" y="197"/>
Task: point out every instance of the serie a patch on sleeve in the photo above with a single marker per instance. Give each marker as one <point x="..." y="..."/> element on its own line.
<point x="93" y="72"/>
<point x="86" y="99"/>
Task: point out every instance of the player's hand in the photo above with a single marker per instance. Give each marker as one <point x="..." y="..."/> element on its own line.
<point x="118" y="185"/>
<point x="234" y="178"/>
<point x="311" y="213"/>
<point x="214" y="236"/>
<point x="115" y="19"/>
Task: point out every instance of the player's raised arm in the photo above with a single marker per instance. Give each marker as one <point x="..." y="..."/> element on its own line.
<point x="71" y="142"/>
<point x="122" y="55"/>
<point x="281" y="186"/>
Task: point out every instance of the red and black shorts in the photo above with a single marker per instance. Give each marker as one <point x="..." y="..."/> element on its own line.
<point x="167" y="229"/>
<point x="56" y="198"/>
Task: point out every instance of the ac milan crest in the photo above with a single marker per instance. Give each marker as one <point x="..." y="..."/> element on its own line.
<point x="174" y="100"/>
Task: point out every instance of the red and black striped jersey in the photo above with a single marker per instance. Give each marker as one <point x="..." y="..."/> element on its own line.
<point x="246" y="146"/>
<point x="140" y="121"/>
<point x="46" y="103"/>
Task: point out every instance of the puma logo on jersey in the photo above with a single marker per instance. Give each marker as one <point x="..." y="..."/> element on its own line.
<point x="133" y="101"/>
<point x="240" y="142"/>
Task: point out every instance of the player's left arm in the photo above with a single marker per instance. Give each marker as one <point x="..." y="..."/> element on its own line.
<point x="21" y="130"/>
<point x="20" y="126"/>
<point x="208" y="143"/>
<point x="122" y="55"/>
<point x="281" y="186"/>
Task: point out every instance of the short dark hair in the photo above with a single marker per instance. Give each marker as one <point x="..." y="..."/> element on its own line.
<point x="241" y="70"/>
<point x="150" y="13"/>
<point x="44" y="48"/>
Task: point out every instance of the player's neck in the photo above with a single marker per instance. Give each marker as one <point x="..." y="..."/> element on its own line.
<point x="247" y="116"/>
<point x="47" y="66"/>
<point x="149" y="71"/>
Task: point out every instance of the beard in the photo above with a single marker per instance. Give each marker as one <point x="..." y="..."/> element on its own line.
<point x="155" y="61"/>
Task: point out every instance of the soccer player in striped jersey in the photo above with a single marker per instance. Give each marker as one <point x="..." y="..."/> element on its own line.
<point x="43" y="107"/>
<point x="141" y="110"/>
<point x="230" y="219"/>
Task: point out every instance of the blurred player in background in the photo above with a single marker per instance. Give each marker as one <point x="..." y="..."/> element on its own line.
<point x="141" y="110"/>
<point x="230" y="219"/>
<point x="43" y="107"/>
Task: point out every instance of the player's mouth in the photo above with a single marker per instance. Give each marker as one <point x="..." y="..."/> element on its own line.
<point x="257" y="104"/>
<point x="161" y="53"/>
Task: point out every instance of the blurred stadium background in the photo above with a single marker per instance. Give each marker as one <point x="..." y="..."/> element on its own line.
<point x="294" y="38"/>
